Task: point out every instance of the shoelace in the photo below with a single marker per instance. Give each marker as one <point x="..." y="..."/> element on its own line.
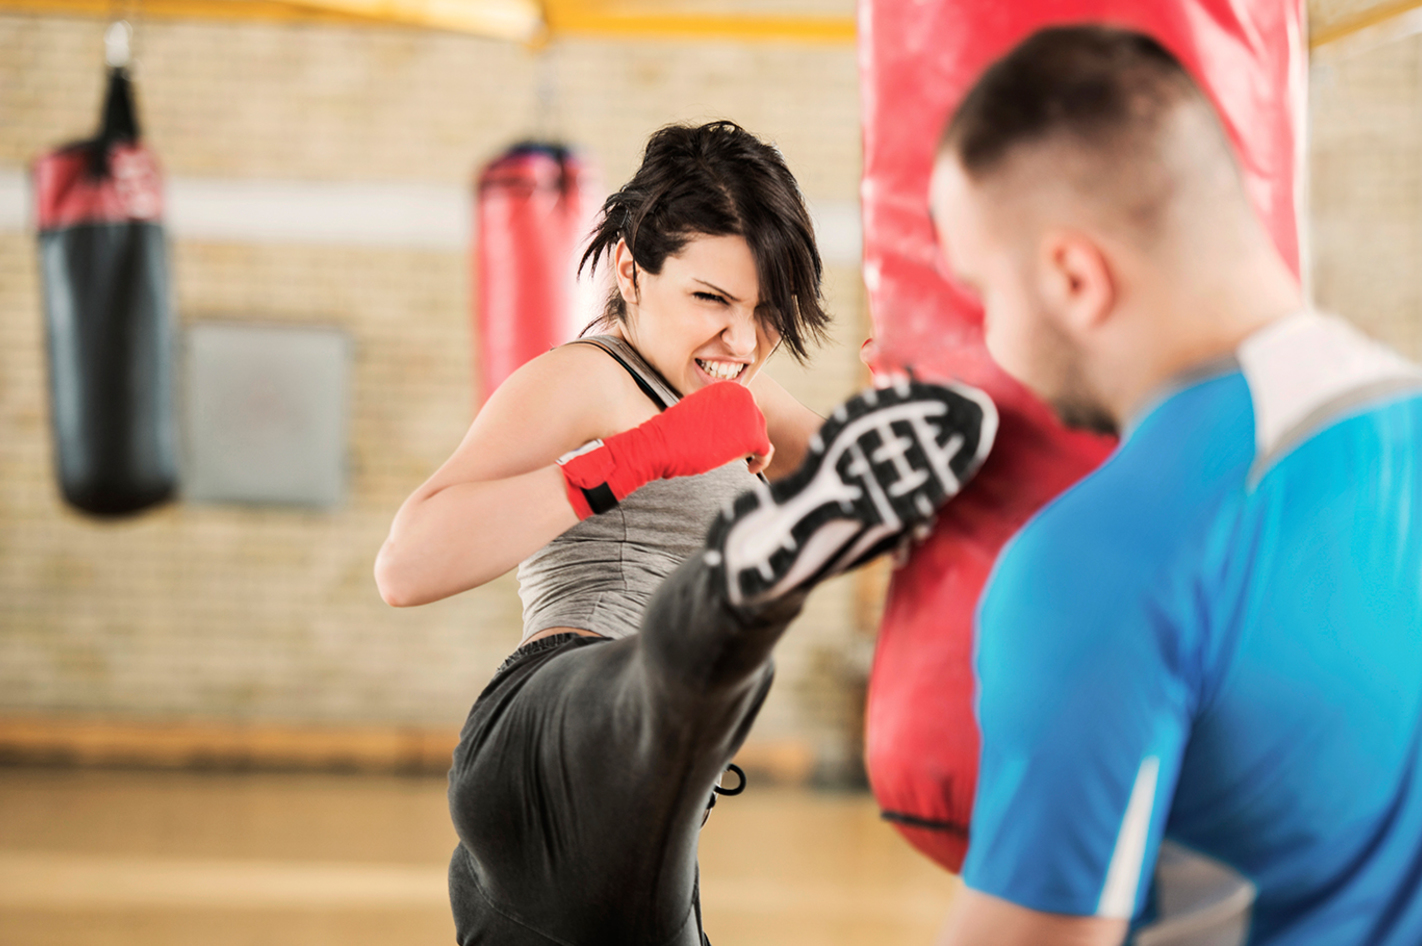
<point x="718" y="790"/>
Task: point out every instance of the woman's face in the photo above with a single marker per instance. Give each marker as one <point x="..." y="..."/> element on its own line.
<point x="695" y="321"/>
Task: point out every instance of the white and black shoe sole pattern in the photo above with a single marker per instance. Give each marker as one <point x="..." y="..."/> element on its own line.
<point x="878" y="470"/>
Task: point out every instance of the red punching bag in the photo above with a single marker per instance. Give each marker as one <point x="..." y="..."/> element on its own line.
<point x="917" y="61"/>
<point x="534" y="208"/>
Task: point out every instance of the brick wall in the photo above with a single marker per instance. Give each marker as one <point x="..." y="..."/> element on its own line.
<point x="1366" y="188"/>
<point x="211" y="612"/>
<point x="225" y="613"/>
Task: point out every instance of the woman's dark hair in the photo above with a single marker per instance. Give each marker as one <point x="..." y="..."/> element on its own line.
<point x="719" y="180"/>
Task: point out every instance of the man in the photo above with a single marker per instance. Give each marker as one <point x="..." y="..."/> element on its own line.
<point x="1216" y="637"/>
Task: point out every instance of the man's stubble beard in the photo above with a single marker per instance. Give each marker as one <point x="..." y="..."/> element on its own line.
<point x="1071" y="396"/>
<point x="1083" y="416"/>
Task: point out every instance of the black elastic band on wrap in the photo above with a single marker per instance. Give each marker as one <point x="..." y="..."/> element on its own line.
<point x="600" y="498"/>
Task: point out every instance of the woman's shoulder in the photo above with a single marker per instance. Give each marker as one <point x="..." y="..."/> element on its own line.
<point x="567" y="366"/>
<point x="581" y="366"/>
<point x="575" y="380"/>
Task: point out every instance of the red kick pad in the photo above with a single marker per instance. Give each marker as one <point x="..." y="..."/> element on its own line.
<point x="917" y="61"/>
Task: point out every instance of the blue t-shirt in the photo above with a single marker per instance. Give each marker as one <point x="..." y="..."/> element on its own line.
<point x="1216" y="638"/>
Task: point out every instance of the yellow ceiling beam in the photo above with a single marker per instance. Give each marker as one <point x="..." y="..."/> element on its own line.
<point x="520" y="20"/>
<point x="1321" y="34"/>
<point x="517" y="20"/>
<point x="176" y="9"/>
<point x="525" y="21"/>
<point x="528" y="20"/>
<point x="590" y="18"/>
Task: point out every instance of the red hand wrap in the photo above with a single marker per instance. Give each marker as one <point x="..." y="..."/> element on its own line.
<point x="704" y="430"/>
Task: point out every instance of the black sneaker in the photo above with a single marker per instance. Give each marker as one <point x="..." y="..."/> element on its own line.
<point x="877" y="471"/>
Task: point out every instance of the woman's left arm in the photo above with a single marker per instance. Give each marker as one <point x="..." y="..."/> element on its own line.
<point x="789" y="424"/>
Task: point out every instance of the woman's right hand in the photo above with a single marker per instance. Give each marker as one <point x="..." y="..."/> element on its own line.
<point x="704" y="430"/>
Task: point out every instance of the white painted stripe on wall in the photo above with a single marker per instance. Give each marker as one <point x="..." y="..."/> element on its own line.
<point x="421" y="216"/>
<point x="1118" y="897"/>
<point x="838" y="231"/>
<point x="14" y="200"/>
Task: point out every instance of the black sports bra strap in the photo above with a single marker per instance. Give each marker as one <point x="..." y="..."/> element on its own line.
<point x="611" y="344"/>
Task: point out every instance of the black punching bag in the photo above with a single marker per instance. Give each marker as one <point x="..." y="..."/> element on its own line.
<point x="104" y="269"/>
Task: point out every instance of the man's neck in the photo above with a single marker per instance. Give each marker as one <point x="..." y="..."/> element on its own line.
<point x="1201" y="323"/>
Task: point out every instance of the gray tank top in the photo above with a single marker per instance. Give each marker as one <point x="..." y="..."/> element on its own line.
<point x="599" y="575"/>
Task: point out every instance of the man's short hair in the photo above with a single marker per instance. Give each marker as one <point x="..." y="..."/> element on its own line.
<point x="1106" y="90"/>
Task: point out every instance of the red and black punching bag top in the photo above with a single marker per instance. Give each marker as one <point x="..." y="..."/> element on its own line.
<point x="104" y="272"/>
<point x="917" y="61"/>
<point x="534" y="208"/>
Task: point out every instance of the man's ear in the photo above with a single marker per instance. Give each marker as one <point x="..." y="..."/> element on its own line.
<point x="1076" y="280"/>
<point x="625" y="269"/>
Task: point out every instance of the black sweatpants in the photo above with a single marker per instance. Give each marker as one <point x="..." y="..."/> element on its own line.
<point x="585" y="767"/>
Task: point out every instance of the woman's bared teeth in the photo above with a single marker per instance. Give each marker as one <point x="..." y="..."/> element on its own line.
<point x="722" y="370"/>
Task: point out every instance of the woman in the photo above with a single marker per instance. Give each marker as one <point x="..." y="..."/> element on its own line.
<point x="586" y="765"/>
<point x="714" y="262"/>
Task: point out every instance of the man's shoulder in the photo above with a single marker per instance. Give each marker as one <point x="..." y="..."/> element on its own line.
<point x="1066" y="560"/>
<point x="1143" y="512"/>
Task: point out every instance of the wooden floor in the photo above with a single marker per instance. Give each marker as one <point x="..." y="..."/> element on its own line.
<point x="104" y="858"/>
